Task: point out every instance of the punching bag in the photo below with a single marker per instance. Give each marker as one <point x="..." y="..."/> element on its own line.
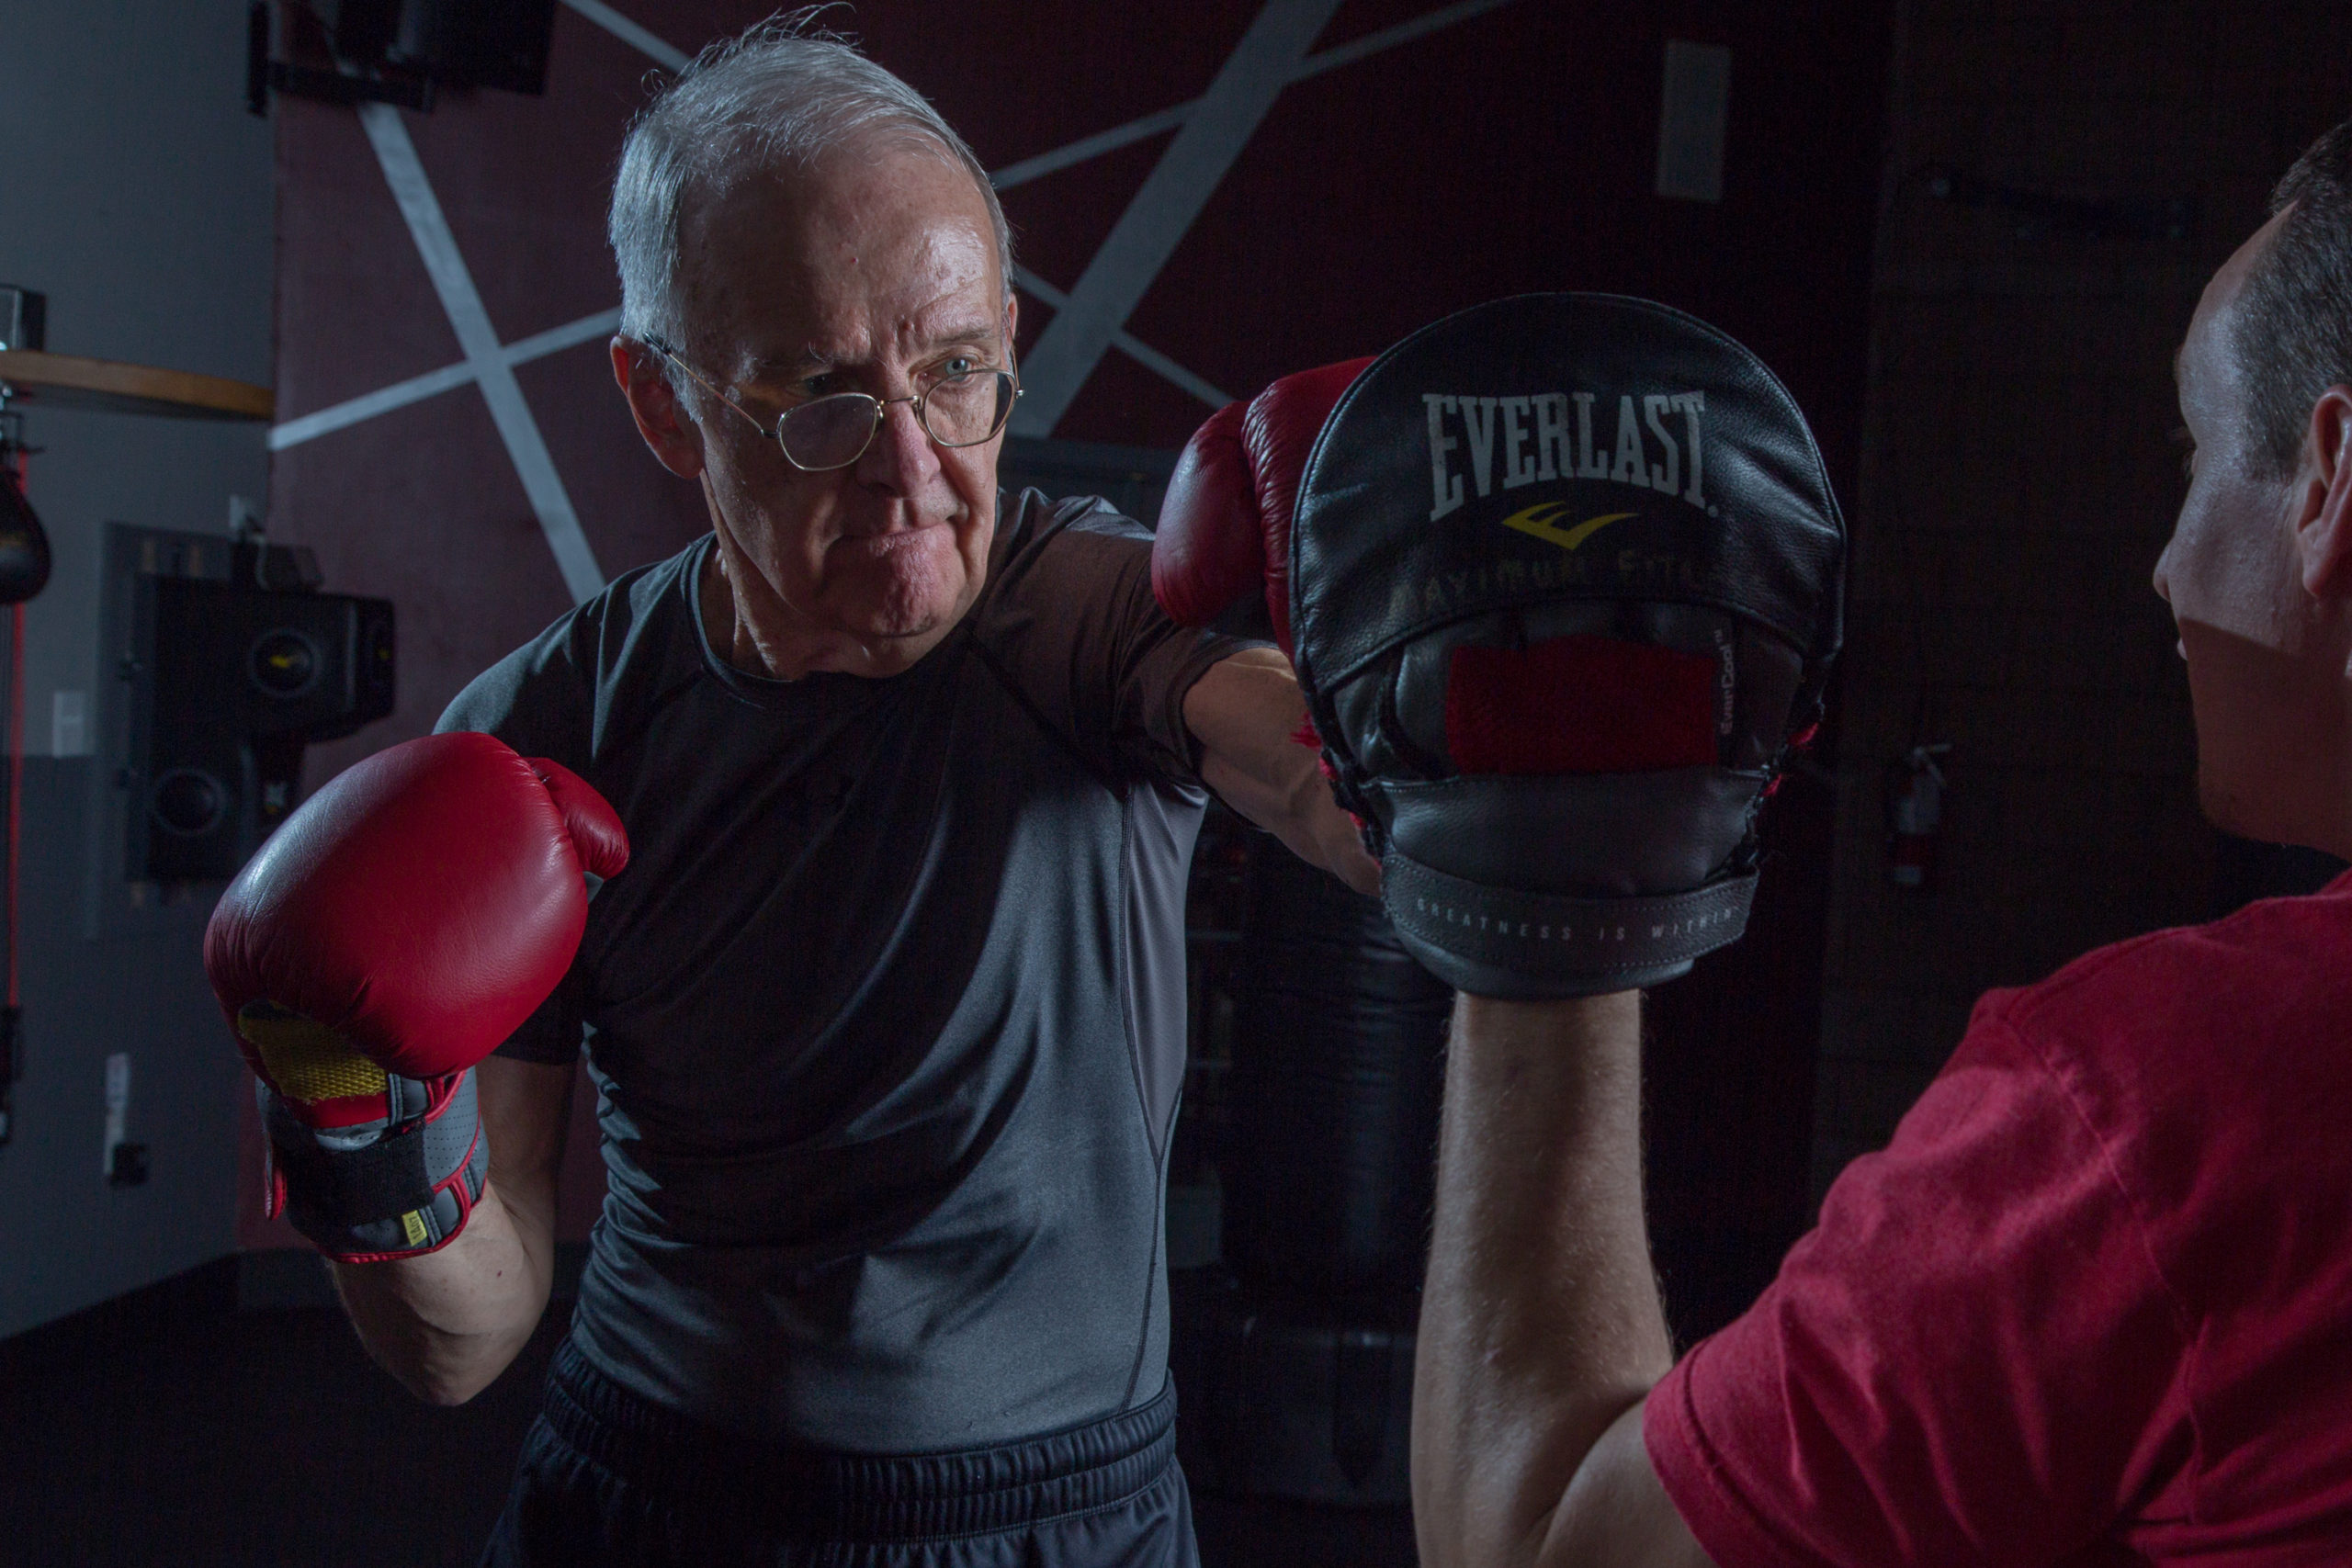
<point x="1338" y="1061"/>
<point x="24" y="547"/>
<point x="1328" y="1179"/>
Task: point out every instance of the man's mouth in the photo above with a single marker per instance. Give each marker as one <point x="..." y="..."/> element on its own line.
<point x="886" y="546"/>
<point x="893" y="539"/>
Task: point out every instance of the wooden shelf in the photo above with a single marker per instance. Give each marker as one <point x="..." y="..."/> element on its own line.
<point x="68" y="381"/>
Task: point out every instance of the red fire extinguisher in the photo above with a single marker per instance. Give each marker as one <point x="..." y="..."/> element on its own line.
<point x="1915" y="814"/>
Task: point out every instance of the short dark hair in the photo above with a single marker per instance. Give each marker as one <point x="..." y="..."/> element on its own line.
<point x="2294" y="329"/>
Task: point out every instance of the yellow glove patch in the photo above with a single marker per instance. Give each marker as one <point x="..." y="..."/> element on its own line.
<point x="306" y="1059"/>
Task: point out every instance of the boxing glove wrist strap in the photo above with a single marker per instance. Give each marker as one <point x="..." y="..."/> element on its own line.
<point x="389" y="1191"/>
<point x="1500" y="942"/>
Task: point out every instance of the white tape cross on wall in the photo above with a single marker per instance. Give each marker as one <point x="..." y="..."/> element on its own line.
<point x="1090" y="318"/>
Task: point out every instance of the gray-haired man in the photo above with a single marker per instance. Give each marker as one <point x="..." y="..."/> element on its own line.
<point x="885" y="1014"/>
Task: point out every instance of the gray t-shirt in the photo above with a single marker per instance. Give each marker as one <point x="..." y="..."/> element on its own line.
<point x="886" y="1014"/>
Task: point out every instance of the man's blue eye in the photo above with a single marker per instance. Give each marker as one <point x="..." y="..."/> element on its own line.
<point x="959" y="365"/>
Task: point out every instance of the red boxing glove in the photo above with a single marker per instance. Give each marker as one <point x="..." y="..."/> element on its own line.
<point x="392" y="934"/>
<point x="1225" y="524"/>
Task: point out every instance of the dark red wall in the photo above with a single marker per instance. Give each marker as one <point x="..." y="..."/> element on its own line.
<point x="1514" y="151"/>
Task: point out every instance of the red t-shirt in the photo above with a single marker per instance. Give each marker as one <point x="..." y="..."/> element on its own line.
<point x="2091" y="1305"/>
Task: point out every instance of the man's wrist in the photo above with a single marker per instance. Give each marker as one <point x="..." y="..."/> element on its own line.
<point x="399" y="1188"/>
<point x="1556" y="1023"/>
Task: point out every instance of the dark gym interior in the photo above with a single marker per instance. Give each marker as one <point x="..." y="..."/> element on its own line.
<point x="352" y="435"/>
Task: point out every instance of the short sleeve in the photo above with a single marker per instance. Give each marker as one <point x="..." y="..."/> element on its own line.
<point x="539" y="699"/>
<point x="1071" y="625"/>
<point x="1973" y="1356"/>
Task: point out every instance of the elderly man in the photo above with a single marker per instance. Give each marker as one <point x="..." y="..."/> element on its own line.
<point x="2093" y="1303"/>
<point x="886" y="1012"/>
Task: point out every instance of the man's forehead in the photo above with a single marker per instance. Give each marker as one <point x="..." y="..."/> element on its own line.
<point x="781" y="185"/>
<point x="2209" y="326"/>
<point x="849" y="260"/>
<point x="2198" y="366"/>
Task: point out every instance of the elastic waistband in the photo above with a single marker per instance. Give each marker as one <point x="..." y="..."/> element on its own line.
<point x="821" y="1494"/>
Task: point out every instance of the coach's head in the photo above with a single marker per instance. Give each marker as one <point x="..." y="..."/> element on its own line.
<point x="2259" y="568"/>
<point x="817" y="320"/>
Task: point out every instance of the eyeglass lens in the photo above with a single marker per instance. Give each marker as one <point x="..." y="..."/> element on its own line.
<point x="961" y="410"/>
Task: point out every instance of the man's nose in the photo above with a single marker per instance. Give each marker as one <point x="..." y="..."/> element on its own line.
<point x="2162" y="575"/>
<point x="899" y="458"/>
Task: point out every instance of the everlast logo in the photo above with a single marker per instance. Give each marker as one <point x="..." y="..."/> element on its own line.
<point x="1537" y="439"/>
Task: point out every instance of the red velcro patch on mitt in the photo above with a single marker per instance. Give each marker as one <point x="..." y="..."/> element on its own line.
<point x="1579" y="704"/>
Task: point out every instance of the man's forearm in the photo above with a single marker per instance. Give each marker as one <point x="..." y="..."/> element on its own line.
<point x="1540" y="1324"/>
<point x="1247" y="711"/>
<point x="448" y="1323"/>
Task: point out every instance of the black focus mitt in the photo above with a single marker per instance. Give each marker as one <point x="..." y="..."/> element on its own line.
<point x="1564" y="582"/>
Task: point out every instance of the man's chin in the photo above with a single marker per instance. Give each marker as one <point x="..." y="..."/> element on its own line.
<point x="900" y="613"/>
<point x="2242" y="813"/>
<point x="893" y="577"/>
<point x="897" y="627"/>
<point x="2220" y="806"/>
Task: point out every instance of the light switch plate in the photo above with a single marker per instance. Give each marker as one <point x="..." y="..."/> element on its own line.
<point x="1692" y="117"/>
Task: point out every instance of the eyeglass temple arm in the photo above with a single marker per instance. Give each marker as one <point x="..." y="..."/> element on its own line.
<point x="699" y="379"/>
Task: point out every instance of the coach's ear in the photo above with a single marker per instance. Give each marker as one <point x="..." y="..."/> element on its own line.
<point x="653" y="403"/>
<point x="2323" y="498"/>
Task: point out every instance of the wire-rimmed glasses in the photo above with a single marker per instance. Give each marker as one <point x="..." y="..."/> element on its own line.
<point x="834" y="431"/>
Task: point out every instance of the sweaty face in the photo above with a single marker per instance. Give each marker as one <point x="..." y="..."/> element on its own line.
<point x="875" y="271"/>
<point x="2231" y="572"/>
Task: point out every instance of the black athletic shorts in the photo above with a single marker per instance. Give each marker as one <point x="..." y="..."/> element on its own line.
<point x="606" y="1478"/>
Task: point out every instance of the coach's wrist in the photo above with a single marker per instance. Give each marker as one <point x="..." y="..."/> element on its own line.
<point x="1556" y="1025"/>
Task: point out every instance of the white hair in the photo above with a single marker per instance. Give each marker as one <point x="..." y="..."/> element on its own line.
<point x="781" y="93"/>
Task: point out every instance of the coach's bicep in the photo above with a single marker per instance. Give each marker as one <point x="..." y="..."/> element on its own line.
<point x="1617" y="1512"/>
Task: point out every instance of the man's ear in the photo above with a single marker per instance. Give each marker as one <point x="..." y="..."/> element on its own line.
<point x="654" y="404"/>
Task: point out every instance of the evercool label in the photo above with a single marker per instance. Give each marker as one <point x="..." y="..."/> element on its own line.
<point x="1538" y="439"/>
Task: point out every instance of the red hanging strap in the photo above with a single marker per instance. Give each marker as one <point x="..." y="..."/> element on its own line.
<point x="16" y="779"/>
